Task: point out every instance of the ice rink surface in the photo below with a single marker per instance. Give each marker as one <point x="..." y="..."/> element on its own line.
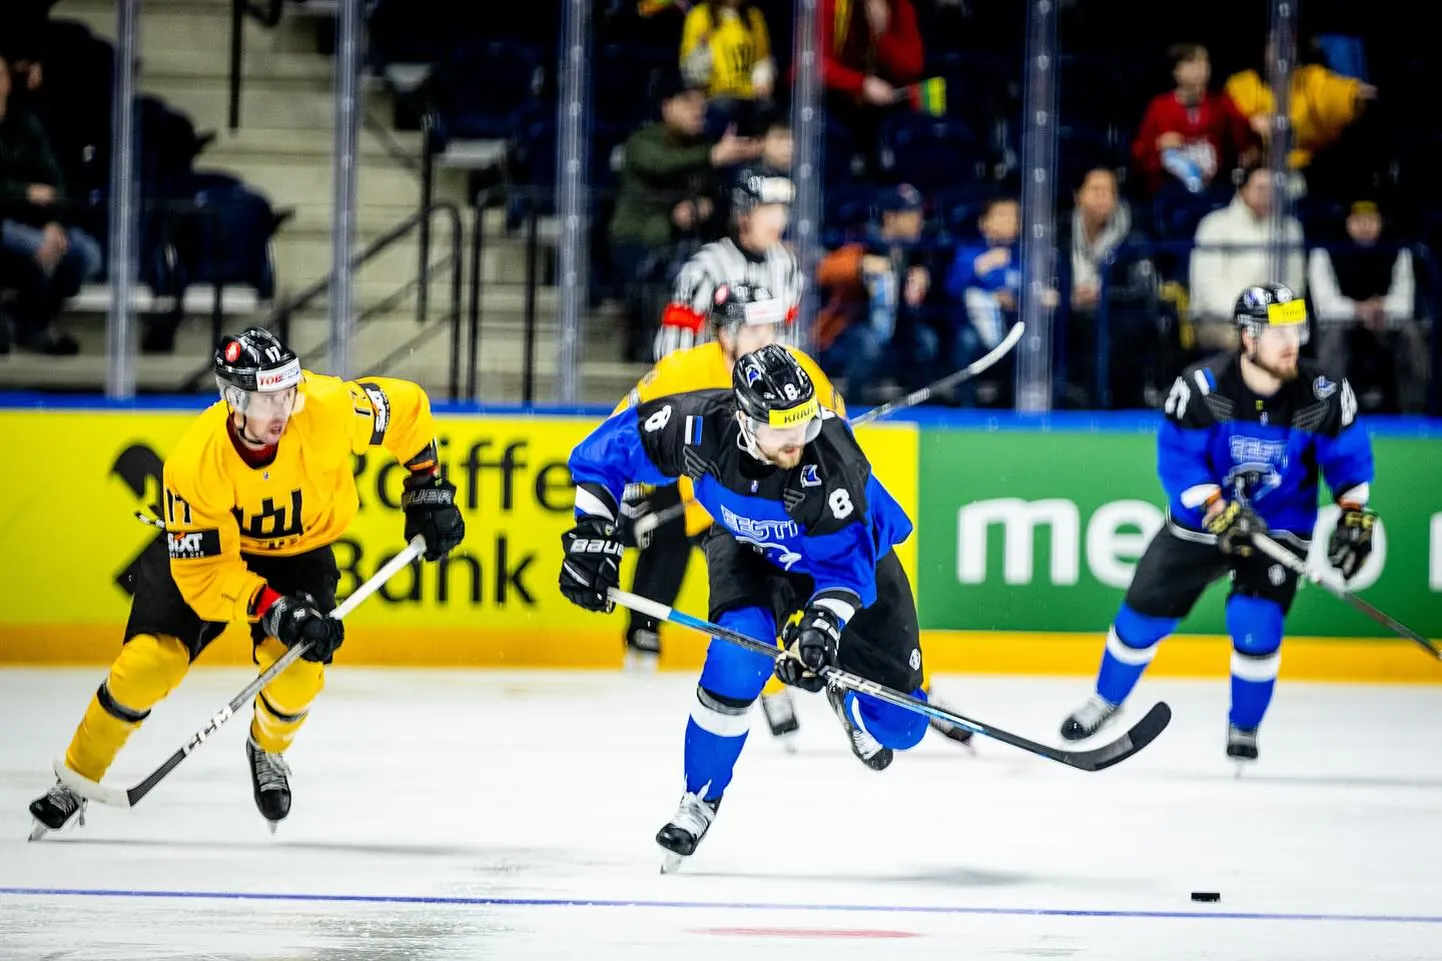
<point x="465" y="814"/>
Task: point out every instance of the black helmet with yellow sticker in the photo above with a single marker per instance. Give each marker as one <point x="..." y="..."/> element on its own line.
<point x="775" y="400"/>
<point x="1270" y="306"/>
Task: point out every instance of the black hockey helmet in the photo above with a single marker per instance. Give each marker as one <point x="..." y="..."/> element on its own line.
<point x="774" y="394"/>
<point x="251" y="363"/>
<point x="1270" y="306"/>
<point x="745" y="305"/>
<point x="752" y="190"/>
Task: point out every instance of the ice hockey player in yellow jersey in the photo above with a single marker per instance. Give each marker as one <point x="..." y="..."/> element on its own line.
<point x="255" y="494"/>
<point x="742" y="319"/>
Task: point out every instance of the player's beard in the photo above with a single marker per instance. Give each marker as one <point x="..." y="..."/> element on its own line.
<point x="1286" y="374"/>
<point x="785" y="457"/>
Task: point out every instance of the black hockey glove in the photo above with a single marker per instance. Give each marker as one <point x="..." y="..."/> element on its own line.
<point x="429" y="502"/>
<point x="811" y="642"/>
<point x="1351" y="540"/>
<point x="1234" y="526"/>
<point x="295" y="619"/>
<point x="592" y="565"/>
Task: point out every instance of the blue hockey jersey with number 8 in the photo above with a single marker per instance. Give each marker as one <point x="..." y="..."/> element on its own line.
<point x="1266" y="451"/>
<point x="828" y="517"/>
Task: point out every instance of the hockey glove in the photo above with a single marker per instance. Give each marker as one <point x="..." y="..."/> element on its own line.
<point x="811" y="643"/>
<point x="295" y="619"/>
<point x="592" y="565"/>
<point x="1351" y="540"/>
<point x="1234" y="526"/>
<point x="429" y="502"/>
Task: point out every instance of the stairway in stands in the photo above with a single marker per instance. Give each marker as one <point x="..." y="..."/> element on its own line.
<point x="283" y="149"/>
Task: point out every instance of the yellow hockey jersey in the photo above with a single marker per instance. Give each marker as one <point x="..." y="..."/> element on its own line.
<point x="218" y="507"/>
<point x="704" y="368"/>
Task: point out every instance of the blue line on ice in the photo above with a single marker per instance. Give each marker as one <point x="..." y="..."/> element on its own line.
<point x="718" y="905"/>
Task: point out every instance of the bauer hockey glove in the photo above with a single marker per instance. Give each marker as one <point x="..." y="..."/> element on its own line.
<point x="592" y="565"/>
<point x="429" y="503"/>
<point x="811" y="642"/>
<point x="1351" y="540"/>
<point x="295" y="618"/>
<point x="1234" y="526"/>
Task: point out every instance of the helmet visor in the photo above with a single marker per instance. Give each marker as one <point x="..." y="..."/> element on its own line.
<point x="793" y="427"/>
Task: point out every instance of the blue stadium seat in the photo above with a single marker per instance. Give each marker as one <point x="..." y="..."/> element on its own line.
<point x="933" y="154"/>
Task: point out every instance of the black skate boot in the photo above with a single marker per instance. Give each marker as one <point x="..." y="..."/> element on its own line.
<point x="868" y="750"/>
<point x="1241" y="745"/>
<point x="1088" y="719"/>
<point x="270" y="779"/>
<point x="683" y="833"/>
<point x="643" y="650"/>
<point x="54" y="809"/>
<point x="780" y="713"/>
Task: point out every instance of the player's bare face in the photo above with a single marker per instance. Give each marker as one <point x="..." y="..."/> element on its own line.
<point x="781" y="446"/>
<point x="265" y="416"/>
<point x="1277" y="351"/>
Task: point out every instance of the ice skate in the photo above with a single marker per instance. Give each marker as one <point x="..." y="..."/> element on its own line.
<point x="1088" y="719"/>
<point x="54" y="809"/>
<point x="683" y="833"/>
<point x="643" y="651"/>
<point x="1241" y="746"/>
<point x="270" y="779"/>
<point x="867" y="749"/>
<point x="780" y="711"/>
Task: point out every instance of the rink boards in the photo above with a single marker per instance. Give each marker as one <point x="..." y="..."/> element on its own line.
<point x="1027" y="531"/>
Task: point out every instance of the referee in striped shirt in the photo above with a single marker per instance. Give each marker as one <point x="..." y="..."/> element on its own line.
<point x="753" y="256"/>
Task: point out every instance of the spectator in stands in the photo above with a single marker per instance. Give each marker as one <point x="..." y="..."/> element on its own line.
<point x="877" y="319"/>
<point x="22" y="40"/>
<point x="870" y="50"/>
<point x="777" y="148"/>
<point x="1363" y="292"/>
<point x="32" y="224"/>
<point x="668" y="190"/>
<point x="1322" y="105"/>
<point x="726" y="50"/>
<point x="1105" y="258"/>
<point x="1231" y="254"/>
<point x="1189" y="134"/>
<point x="985" y="279"/>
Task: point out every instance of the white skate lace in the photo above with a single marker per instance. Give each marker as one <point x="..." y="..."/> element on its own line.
<point x="865" y="745"/>
<point x="1236" y="735"/>
<point x="1093" y="712"/>
<point x="271" y="771"/>
<point x="693" y="815"/>
<point x="67" y="801"/>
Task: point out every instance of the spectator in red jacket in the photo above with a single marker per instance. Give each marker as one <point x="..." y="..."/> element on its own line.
<point x="1190" y="134"/>
<point x="870" y="49"/>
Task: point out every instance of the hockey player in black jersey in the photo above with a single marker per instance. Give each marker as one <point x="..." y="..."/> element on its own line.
<point x="1244" y="439"/>
<point x="801" y="524"/>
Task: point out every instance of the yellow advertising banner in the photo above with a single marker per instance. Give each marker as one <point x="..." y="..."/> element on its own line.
<point x="71" y="535"/>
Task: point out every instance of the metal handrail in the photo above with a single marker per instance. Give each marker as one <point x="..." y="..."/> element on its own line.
<point x="267" y="15"/>
<point x="280" y="317"/>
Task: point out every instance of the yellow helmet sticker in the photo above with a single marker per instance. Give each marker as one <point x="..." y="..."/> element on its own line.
<point x="1288" y="314"/>
<point x="795" y="415"/>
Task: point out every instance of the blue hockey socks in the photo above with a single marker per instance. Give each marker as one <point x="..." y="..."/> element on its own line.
<point x="1255" y="625"/>
<point x="892" y="726"/>
<point x="721" y="714"/>
<point x="1131" y="645"/>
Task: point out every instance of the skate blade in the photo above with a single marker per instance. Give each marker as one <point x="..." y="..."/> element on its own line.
<point x="272" y="825"/>
<point x="671" y="863"/>
<point x="38" y="831"/>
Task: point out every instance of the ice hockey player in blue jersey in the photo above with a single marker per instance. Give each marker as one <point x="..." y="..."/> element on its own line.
<point x="1244" y="438"/>
<point x="801" y="525"/>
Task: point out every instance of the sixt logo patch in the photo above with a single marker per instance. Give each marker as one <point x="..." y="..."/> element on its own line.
<point x="193" y="545"/>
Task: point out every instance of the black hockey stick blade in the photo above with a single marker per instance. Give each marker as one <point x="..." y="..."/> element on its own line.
<point x="647" y="523"/>
<point x="129" y="797"/>
<point x="1097" y="759"/>
<point x="1299" y="567"/>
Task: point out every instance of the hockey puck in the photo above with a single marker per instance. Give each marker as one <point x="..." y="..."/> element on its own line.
<point x="1206" y="896"/>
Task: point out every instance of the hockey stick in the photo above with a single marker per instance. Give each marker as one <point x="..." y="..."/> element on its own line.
<point x="1142" y="733"/>
<point x="1300" y="567"/>
<point x="121" y="797"/>
<point x="645" y="525"/>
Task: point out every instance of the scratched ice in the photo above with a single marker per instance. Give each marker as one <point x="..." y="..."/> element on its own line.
<point x="449" y="815"/>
